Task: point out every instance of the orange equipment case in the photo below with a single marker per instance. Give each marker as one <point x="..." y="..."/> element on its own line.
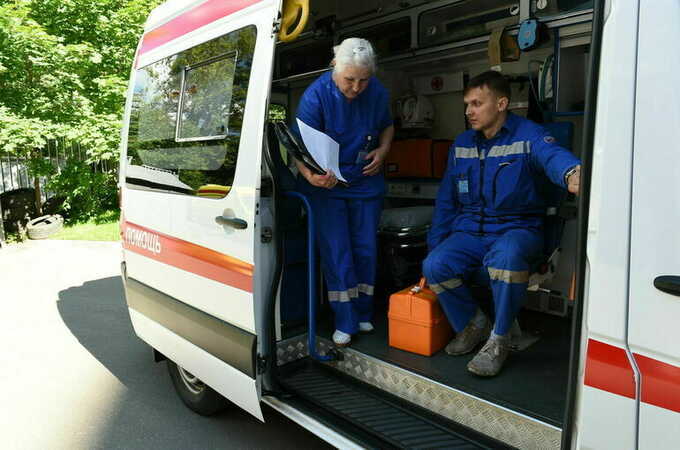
<point x="440" y="156"/>
<point x="418" y="158"/>
<point x="416" y="321"/>
<point x="409" y="158"/>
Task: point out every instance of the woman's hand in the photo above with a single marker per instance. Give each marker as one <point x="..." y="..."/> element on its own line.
<point x="327" y="181"/>
<point x="378" y="157"/>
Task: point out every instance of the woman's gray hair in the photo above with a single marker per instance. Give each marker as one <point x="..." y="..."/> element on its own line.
<point x="354" y="52"/>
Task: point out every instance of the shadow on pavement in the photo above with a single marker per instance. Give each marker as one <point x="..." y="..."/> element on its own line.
<point x="150" y="414"/>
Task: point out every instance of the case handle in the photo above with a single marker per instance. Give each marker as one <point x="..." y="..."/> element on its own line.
<point x="420" y="286"/>
<point x="291" y="10"/>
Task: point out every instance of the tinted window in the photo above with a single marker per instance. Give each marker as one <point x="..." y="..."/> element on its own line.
<point x="187" y="113"/>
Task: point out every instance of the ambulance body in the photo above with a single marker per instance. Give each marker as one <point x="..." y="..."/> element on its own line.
<point x="203" y="229"/>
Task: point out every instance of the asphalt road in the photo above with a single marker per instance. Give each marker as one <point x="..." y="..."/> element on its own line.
<point x="75" y="376"/>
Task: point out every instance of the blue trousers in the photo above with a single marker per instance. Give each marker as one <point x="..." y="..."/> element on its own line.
<point x="346" y="237"/>
<point x="451" y="266"/>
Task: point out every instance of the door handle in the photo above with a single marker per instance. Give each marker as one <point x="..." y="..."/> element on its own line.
<point x="668" y="283"/>
<point x="233" y="222"/>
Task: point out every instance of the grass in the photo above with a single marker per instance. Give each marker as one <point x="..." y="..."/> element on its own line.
<point x="101" y="228"/>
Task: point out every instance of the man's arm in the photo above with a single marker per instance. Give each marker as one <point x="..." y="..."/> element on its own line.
<point x="558" y="163"/>
<point x="446" y="205"/>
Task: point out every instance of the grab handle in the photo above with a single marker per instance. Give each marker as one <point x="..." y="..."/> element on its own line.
<point x="311" y="281"/>
<point x="292" y="9"/>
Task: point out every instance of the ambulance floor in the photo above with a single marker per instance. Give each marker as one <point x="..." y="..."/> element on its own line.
<point x="533" y="381"/>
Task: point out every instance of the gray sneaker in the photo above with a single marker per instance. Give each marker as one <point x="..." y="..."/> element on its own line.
<point x="489" y="361"/>
<point x="468" y="339"/>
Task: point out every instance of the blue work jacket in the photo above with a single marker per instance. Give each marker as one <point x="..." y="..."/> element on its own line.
<point x="355" y="126"/>
<point x="494" y="185"/>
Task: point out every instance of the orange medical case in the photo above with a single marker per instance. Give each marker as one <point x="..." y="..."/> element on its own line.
<point x="409" y="158"/>
<point x="416" y="321"/>
<point x="419" y="158"/>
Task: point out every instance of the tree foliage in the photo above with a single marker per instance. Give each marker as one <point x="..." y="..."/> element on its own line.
<point x="64" y="66"/>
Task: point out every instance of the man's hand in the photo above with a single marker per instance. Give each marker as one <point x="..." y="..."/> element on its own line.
<point x="574" y="181"/>
<point x="378" y="157"/>
<point x="327" y="181"/>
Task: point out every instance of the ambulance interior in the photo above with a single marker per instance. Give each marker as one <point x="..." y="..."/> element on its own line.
<point x="427" y="52"/>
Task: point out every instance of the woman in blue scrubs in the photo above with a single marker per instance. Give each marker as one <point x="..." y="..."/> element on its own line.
<point x="351" y="106"/>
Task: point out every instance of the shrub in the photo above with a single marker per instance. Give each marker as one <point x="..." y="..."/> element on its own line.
<point x="86" y="193"/>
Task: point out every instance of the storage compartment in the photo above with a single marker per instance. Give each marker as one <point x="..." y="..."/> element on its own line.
<point x="464" y="20"/>
<point x="416" y="321"/>
<point x="417" y="158"/>
<point x="410" y="158"/>
<point x="440" y="155"/>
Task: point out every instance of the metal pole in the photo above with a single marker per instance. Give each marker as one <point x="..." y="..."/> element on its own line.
<point x="2" y="175"/>
<point x="311" y="280"/>
<point x="11" y="175"/>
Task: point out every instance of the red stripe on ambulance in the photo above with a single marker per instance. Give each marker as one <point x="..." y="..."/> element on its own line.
<point x="660" y="383"/>
<point x="187" y="256"/>
<point x="608" y="368"/>
<point x="193" y="19"/>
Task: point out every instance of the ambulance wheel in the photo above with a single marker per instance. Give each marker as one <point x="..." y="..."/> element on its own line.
<point x="198" y="396"/>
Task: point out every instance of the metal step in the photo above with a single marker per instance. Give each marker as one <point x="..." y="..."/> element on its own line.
<point x="489" y="419"/>
<point x="388" y="418"/>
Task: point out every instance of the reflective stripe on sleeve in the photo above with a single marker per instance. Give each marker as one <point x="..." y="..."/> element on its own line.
<point x="509" y="276"/>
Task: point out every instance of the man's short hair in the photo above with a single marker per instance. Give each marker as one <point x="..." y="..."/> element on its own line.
<point x="493" y="80"/>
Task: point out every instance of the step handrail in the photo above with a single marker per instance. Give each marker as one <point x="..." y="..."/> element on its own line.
<point x="311" y="282"/>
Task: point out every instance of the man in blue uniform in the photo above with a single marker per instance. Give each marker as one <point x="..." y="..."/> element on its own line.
<point x="489" y="213"/>
<point x="351" y="106"/>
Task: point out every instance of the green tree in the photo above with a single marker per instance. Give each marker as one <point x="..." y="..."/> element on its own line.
<point x="64" y="66"/>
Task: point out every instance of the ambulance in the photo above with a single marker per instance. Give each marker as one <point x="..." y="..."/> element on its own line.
<point x="222" y="280"/>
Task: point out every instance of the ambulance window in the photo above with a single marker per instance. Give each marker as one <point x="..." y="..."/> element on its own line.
<point x="206" y="99"/>
<point x="186" y="118"/>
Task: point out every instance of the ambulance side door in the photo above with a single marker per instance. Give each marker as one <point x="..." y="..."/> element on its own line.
<point x="191" y="192"/>
<point x="654" y="307"/>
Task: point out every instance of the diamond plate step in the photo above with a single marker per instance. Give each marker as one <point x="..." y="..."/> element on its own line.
<point x="388" y="418"/>
<point x="502" y="424"/>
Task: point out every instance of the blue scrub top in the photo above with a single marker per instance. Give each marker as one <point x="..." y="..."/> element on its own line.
<point x="355" y="125"/>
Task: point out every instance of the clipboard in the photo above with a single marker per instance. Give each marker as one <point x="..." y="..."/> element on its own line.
<point x="298" y="150"/>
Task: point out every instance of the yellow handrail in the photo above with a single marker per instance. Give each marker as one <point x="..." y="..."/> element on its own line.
<point x="292" y="9"/>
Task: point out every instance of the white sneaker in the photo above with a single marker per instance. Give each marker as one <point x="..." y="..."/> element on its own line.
<point x="341" y="339"/>
<point x="365" y="327"/>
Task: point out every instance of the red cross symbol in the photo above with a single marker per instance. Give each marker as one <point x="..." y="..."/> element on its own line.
<point x="437" y="83"/>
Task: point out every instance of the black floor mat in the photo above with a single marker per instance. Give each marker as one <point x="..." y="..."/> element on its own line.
<point x="533" y="382"/>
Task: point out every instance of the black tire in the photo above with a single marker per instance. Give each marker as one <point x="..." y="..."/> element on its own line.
<point x="198" y="396"/>
<point x="44" y="226"/>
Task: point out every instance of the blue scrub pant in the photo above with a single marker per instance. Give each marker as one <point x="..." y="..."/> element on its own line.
<point x="507" y="258"/>
<point x="346" y="232"/>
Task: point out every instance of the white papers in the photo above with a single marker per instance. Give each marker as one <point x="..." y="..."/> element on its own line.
<point x="324" y="150"/>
